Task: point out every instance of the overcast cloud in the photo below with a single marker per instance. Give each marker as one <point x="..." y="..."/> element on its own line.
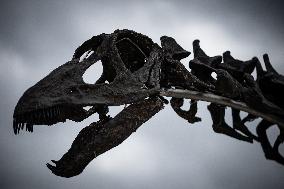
<point x="166" y="152"/>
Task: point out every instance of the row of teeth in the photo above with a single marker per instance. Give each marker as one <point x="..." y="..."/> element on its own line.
<point x="20" y="126"/>
<point x="48" y="116"/>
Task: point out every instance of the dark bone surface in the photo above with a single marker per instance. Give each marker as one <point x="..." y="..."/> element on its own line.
<point x="137" y="73"/>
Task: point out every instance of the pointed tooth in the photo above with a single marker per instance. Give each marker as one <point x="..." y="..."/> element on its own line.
<point x="53" y="161"/>
<point x="50" y="113"/>
<point x="54" y="111"/>
<point x="57" y="110"/>
<point x="47" y="115"/>
<point x="43" y="115"/>
<point x="18" y="128"/>
<point x="40" y="115"/>
<point x="51" y="167"/>
<point x="61" y="110"/>
<point x="28" y="126"/>
<point x="15" y="124"/>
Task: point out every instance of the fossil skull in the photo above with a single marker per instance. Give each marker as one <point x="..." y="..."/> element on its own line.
<point x="131" y="67"/>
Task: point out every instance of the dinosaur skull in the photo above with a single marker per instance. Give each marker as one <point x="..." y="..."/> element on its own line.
<point x="131" y="65"/>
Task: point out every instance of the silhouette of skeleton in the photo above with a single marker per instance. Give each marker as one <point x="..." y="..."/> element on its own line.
<point x="138" y="72"/>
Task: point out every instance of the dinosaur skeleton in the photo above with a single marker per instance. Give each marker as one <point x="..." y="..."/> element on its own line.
<point x="138" y="72"/>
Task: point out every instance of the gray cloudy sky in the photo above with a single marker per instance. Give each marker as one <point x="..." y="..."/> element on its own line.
<point x="166" y="152"/>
